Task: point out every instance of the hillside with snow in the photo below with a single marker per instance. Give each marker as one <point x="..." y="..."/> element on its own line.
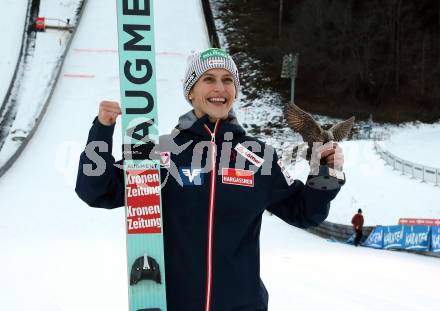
<point x="58" y="254"/>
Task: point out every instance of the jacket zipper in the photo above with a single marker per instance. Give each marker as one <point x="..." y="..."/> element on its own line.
<point x="211" y="216"/>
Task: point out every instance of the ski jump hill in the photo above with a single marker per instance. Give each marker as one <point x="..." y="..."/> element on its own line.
<point x="38" y="69"/>
<point x="36" y="73"/>
<point x="59" y="254"/>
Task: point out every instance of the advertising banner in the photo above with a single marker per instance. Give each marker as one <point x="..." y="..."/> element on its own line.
<point x="143" y="201"/>
<point x="375" y="239"/>
<point x="435" y="240"/>
<point x="417" y="237"/>
<point x="393" y="237"/>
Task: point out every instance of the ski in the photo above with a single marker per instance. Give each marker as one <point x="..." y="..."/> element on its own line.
<point x="137" y="71"/>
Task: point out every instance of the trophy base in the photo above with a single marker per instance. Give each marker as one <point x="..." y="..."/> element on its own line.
<point x="327" y="179"/>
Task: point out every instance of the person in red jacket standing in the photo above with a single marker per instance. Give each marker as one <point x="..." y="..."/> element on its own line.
<point x="358" y="222"/>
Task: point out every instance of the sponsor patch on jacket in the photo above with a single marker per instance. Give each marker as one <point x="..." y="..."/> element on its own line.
<point x="165" y="159"/>
<point x="238" y="177"/>
<point x="191" y="176"/>
<point x="286" y="174"/>
<point x="249" y="155"/>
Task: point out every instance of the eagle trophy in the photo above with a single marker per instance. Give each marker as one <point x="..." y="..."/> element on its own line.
<point x="322" y="177"/>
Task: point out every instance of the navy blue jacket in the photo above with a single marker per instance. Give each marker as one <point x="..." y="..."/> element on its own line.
<point x="236" y="211"/>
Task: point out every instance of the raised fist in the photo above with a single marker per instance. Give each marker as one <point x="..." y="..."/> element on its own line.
<point x="108" y="112"/>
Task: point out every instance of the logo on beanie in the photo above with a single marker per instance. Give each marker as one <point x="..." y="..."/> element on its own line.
<point x="213" y="53"/>
<point x="217" y="62"/>
<point x="190" y="79"/>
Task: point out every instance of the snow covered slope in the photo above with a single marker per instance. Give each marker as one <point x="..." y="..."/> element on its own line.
<point x="418" y="143"/>
<point x="303" y="272"/>
<point x="384" y="195"/>
<point x="13" y="18"/>
<point x="59" y="254"/>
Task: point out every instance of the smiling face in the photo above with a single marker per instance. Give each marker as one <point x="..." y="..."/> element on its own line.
<point x="213" y="94"/>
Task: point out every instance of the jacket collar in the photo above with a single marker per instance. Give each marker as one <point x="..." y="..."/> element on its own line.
<point x="190" y="122"/>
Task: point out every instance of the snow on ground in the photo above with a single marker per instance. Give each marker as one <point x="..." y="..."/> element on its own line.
<point x="59" y="254"/>
<point x="13" y="18"/>
<point x="56" y="12"/>
<point x="77" y="253"/>
<point x="384" y="195"/>
<point x="304" y="272"/>
<point x="40" y="70"/>
<point x="418" y="143"/>
<point x="180" y="31"/>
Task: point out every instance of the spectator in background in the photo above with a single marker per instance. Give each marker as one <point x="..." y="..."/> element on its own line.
<point x="358" y="222"/>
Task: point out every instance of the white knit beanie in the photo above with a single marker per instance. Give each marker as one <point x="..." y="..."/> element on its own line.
<point x="200" y="62"/>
